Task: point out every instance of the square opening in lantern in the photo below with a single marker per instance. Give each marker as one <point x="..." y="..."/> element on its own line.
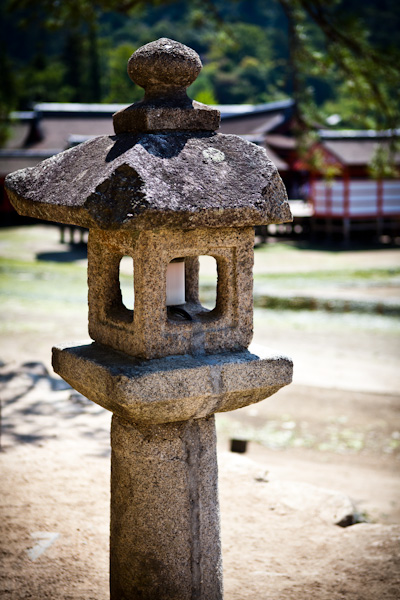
<point x="126" y="283"/>
<point x="121" y="297"/>
<point x="208" y="280"/>
<point x="191" y="289"/>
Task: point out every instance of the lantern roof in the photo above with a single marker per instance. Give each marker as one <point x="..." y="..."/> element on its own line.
<point x="166" y="167"/>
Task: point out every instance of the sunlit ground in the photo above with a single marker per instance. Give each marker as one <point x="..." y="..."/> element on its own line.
<point x="349" y="341"/>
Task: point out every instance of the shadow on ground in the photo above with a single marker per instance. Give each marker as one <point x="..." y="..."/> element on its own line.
<point x="71" y="253"/>
<point x="37" y="407"/>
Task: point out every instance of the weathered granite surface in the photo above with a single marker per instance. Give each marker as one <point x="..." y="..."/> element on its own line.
<point x="164" y="542"/>
<point x="149" y="181"/>
<point x="175" y="388"/>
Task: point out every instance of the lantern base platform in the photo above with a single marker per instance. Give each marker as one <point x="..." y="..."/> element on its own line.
<point x="174" y="388"/>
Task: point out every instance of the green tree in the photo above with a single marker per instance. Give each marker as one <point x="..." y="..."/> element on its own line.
<point x="121" y="88"/>
<point x="240" y="63"/>
<point x="330" y="40"/>
<point x="339" y="55"/>
<point x="383" y="164"/>
<point x="8" y="94"/>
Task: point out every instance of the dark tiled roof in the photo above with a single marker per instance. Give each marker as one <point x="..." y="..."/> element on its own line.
<point x="19" y="132"/>
<point x="57" y="122"/>
<point x="54" y="127"/>
<point x="280" y="164"/>
<point x="248" y="124"/>
<point x="283" y="142"/>
<point x="355" y="152"/>
<point x="57" y="131"/>
<point x="11" y="163"/>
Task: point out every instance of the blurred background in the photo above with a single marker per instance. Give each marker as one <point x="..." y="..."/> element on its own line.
<point x="316" y="84"/>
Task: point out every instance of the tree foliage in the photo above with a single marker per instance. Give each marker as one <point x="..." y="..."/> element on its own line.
<point x="333" y="40"/>
<point x="331" y="56"/>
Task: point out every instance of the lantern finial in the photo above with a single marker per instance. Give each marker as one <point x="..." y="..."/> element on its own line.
<point x="165" y="69"/>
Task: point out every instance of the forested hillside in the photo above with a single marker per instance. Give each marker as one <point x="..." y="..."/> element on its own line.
<point x="339" y="56"/>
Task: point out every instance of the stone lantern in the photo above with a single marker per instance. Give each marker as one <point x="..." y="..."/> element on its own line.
<point x="164" y="190"/>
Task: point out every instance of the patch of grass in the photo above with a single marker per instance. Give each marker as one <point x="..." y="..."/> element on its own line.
<point x="8" y="265"/>
<point x="277" y="434"/>
<point x="38" y="297"/>
<point x="311" y="303"/>
<point x="306" y="320"/>
<point x="332" y="274"/>
<point x="277" y="248"/>
<point x="42" y="281"/>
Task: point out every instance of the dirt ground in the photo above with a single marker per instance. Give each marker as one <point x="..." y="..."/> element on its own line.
<point x="326" y="446"/>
